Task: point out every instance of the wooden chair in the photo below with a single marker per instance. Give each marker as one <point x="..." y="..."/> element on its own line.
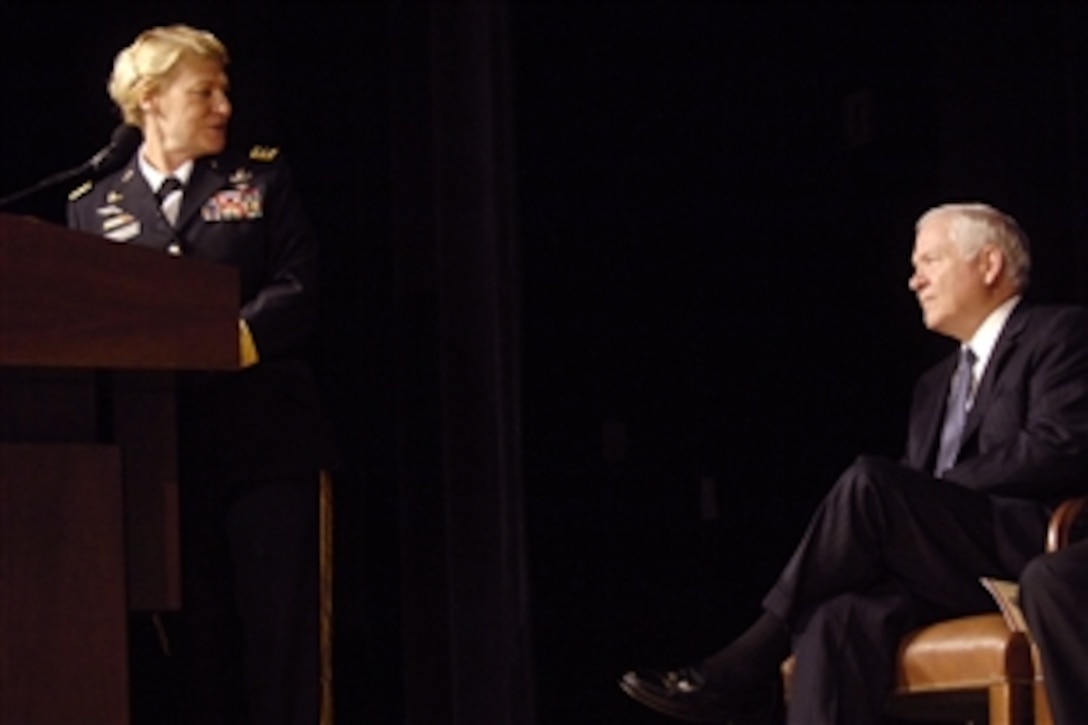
<point x="1059" y="535"/>
<point x="326" y="715"/>
<point x="961" y="669"/>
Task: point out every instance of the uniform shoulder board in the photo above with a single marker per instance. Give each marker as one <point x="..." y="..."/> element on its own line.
<point x="80" y="190"/>
<point x="264" y="153"/>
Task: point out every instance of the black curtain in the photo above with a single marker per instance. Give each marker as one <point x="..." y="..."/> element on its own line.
<point x="464" y="597"/>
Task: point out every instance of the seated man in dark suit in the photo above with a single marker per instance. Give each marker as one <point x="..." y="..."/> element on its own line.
<point x="997" y="433"/>
<point x="1054" y="596"/>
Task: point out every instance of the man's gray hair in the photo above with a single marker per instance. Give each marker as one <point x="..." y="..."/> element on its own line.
<point x="973" y="225"/>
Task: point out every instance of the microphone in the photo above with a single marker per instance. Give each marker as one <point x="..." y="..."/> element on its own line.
<point x="124" y="141"/>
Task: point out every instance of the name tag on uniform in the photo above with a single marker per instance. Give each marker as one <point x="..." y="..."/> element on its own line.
<point x="233" y="205"/>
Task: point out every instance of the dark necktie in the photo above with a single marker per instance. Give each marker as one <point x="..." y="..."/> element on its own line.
<point x="168" y="185"/>
<point x="955" y="415"/>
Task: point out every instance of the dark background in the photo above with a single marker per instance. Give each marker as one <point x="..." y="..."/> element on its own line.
<point x="714" y="210"/>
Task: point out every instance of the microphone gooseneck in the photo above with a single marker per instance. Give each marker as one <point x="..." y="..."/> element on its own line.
<point x="124" y="141"/>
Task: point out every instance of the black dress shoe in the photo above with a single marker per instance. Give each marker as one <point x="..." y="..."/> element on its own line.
<point x="682" y="694"/>
<point x="685" y="694"/>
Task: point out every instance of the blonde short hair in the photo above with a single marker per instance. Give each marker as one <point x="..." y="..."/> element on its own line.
<point x="142" y="67"/>
<point x="972" y="225"/>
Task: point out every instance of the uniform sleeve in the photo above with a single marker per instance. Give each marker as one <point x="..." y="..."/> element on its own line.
<point x="282" y="314"/>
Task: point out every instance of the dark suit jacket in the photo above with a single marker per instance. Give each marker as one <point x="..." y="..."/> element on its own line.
<point x="243" y="211"/>
<point x="1026" y="441"/>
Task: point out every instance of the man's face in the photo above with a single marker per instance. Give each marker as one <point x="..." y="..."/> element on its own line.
<point x="190" y="112"/>
<point x="951" y="289"/>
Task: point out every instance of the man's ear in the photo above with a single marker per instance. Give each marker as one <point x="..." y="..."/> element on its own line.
<point x="992" y="262"/>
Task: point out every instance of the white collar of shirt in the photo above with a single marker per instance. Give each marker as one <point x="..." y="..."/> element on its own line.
<point x="171" y="205"/>
<point x="984" y="340"/>
<point x="155" y="177"/>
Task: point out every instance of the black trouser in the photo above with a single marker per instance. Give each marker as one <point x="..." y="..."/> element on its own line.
<point x="1054" y="596"/>
<point x="888" y="549"/>
<point x="250" y="603"/>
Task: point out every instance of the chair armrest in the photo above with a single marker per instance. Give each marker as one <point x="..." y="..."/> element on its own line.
<point x="1060" y="531"/>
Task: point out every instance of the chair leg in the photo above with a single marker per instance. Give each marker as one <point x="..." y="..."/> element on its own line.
<point x="1010" y="704"/>
<point x="1042" y="705"/>
<point x="325" y="569"/>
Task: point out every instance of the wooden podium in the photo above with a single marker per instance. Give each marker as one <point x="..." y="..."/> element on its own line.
<point x="90" y="333"/>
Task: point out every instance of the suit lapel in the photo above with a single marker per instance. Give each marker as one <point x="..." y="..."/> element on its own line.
<point x="1003" y="351"/>
<point x="930" y="413"/>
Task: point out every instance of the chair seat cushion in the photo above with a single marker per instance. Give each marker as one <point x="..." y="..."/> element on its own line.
<point x="963" y="653"/>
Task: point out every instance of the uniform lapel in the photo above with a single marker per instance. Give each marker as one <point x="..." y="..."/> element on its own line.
<point x="138" y="195"/>
<point x="207" y="178"/>
<point x="130" y="193"/>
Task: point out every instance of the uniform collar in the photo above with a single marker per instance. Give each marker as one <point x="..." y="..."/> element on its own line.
<point x="154" y="177"/>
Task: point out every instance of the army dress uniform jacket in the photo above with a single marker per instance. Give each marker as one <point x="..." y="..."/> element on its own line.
<point x="239" y="210"/>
